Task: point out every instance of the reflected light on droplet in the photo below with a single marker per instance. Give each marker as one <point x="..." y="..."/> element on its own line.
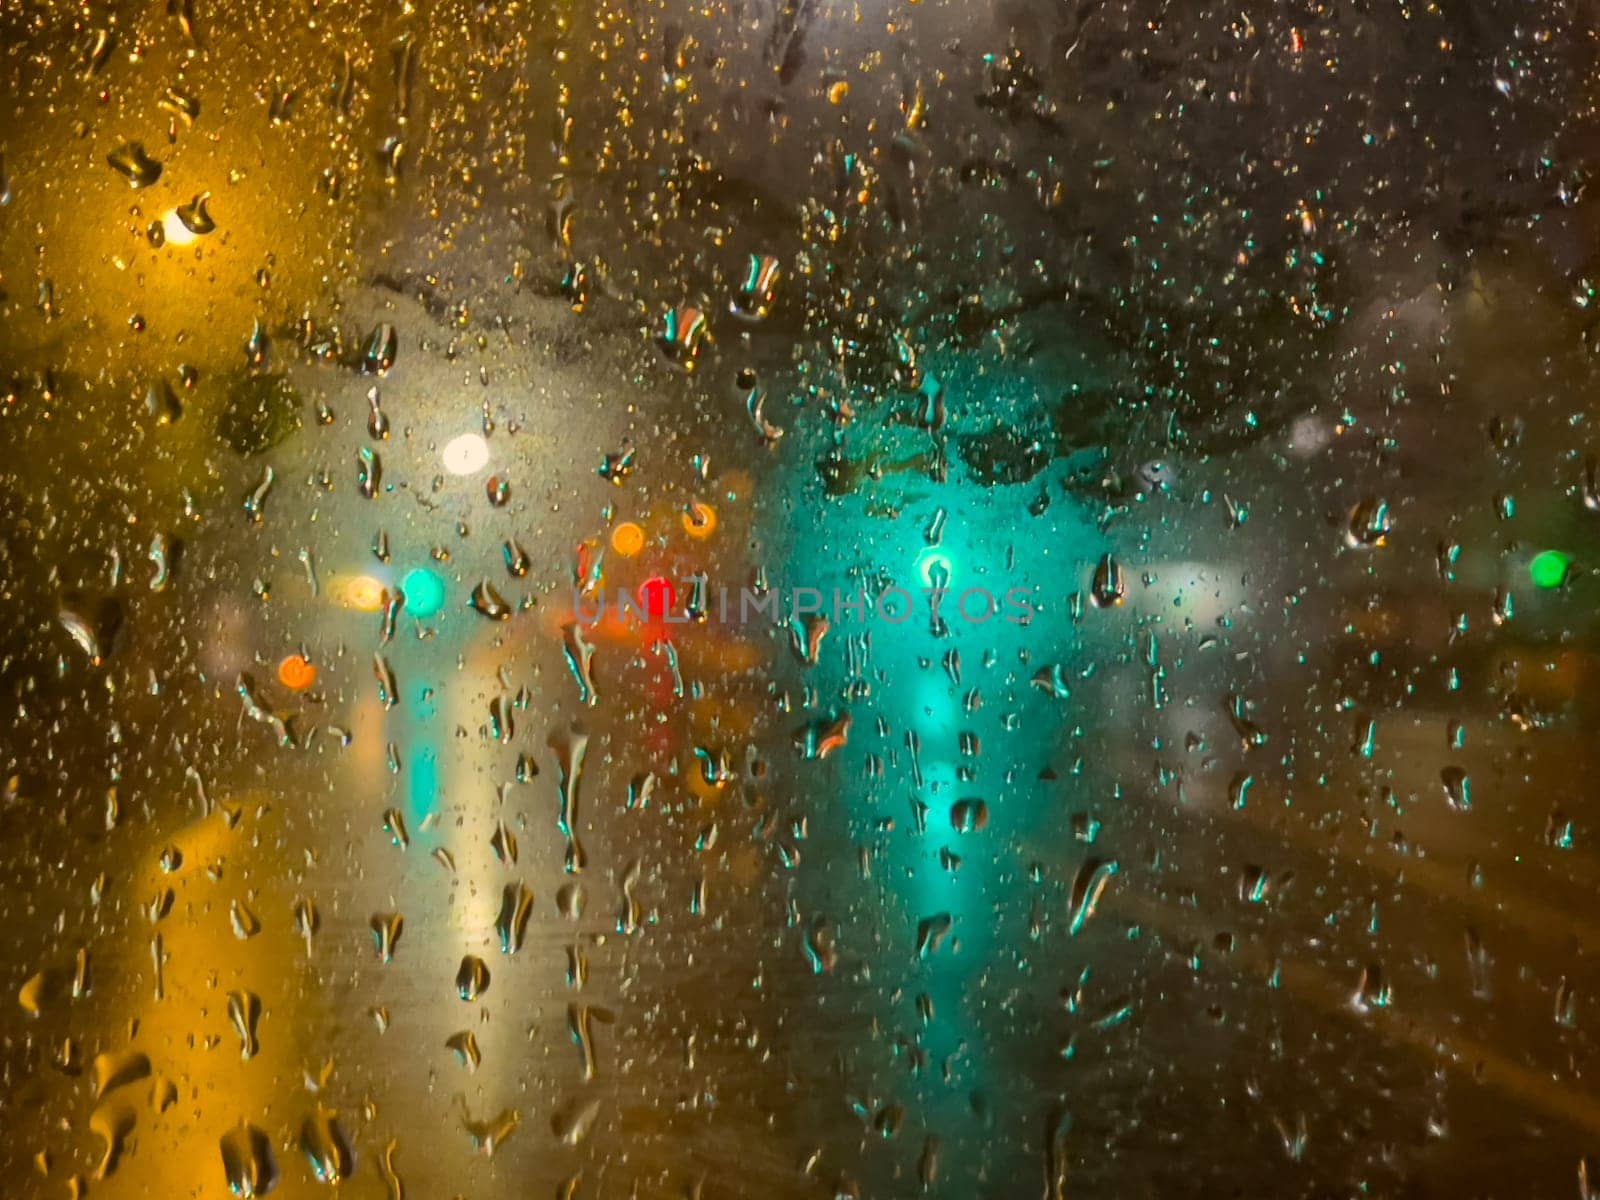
<point x="931" y="560"/>
<point x="466" y="455"/>
<point x="177" y="232"/>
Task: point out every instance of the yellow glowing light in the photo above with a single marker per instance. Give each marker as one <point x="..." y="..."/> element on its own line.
<point x="627" y="539"/>
<point x="699" y="520"/>
<point x="361" y="592"/>
<point x="466" y="455"/>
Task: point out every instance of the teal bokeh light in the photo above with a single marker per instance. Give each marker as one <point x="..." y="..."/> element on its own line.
<point x="424" y="591"/>
<point x="423" y="793"/>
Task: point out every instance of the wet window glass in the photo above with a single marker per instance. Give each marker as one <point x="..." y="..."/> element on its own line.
<point x="798" y="598"/>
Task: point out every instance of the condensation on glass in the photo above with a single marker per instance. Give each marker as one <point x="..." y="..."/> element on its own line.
<point x="798" y="598"/>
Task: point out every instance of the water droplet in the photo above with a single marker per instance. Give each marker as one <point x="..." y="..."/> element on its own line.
<point x="181" y="105"/>
<point x="756" y="294"/>
<point x="516" y="904"/>
<point x="1372" y="990"/>
<point x="391" y="153"/>
<point x="628" y="910"/>
<point x="489" y="1135"/>
<point x="517" y="561"/>
<point x="377" y="419"/>
<point x="570" y="900"/>
<point x="394" y="824"/>
<point x="821" y="738"/>
<point x="969" y="816"/>
<point x="1052" y="680"/>
<point x="244" y="1011"/>
<point x="931" y="933"/>
<point x="247" y="1162"/>
<point x="821" y="946"/>
<point x="618" y="466"/>
<point x="504" y="843"/>
<point x="244" y="921"/>
<point x="487" y="601"/>
<point x="1108" y="587"/>
<point x="87" y="632"/>
<point x="683" y="336"/>
<point x="134" y="165"/>
<point x="118" y="1069"/>
<point x="369" y="472"/>
<point x="386" y="929"/>
<point x="163" y="554"/>
<point x="572" y="1122"/>
<point x="32" y="994"/>
<point x="579" y="652"/>
<point x="572" y="751"/>
<point x="111" y="1123"/>
<point x="382" y="345"/>
<point x="1369" y="525"/>
<point x="1087" y="887"/>
<point x="307" y="920"/>
<point x="255" y="502"/>
<point x="326" y="1147"/>
<point x="580" y="1023"/>
<point x="472" y="977"/>
<point x="1457" y="788"/>
<point x="195" y="217"/>
<point x="161" y="402"/>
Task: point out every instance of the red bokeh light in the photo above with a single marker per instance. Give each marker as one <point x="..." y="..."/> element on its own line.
<point x="657" y="597"/>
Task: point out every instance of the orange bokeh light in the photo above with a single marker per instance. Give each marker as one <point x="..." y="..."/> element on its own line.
<point x="627" y="539"/>
<point x="296" y="673"/>
<point x="699" y="520"/>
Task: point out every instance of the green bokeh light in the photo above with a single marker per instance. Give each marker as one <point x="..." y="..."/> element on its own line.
<point x="1549" y="569"/>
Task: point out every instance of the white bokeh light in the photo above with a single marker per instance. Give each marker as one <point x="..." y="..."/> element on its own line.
<point x="466" y="455"/>
<point x="177" y="233"/>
